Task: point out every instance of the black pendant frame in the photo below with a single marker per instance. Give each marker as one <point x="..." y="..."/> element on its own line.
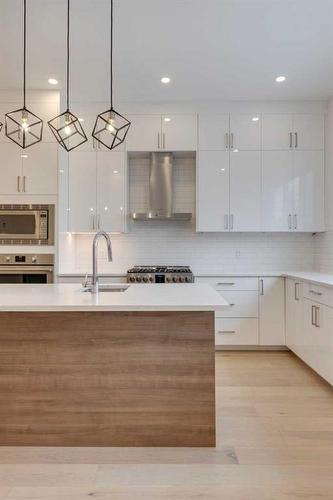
<point x="1" y="125"/>
<point x="75" y="135"/>
<point x="23" y="133"/>
<point x="71" y="138"/>
<point x="111" y="128"/>
<point x="29" y="130"/>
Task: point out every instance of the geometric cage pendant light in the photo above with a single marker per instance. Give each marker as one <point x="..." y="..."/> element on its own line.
<point x="66" y="127"/>
<point x="22" y="126"/>
<point x="111" y="127"/>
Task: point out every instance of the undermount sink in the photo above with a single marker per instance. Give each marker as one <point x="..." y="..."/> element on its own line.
<point x="108" y="288"/>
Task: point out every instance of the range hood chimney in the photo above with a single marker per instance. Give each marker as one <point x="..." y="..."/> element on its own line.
<point x="161" y="190"/>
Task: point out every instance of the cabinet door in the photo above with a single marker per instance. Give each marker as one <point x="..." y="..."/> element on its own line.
<point x="294" y="315"/>
<point x="179" y="132"/>
<point x="145" y="133"/>
<point x="82" y="192"/>
<point x="111" y="191"/>
<point x="277" y="190"/>
<point x="213" y="191"/>
<point x="309" y="191"/>
<point x="309" y="130"/>
<point x="40" y="169"/>
<point x="271" y="311"/>
<point x="245" y="132"/>
<point x="276" y="131"/>
<point x="213" y="132"/>
<point x="245" y="189"/>
<point x="10" y="168"/>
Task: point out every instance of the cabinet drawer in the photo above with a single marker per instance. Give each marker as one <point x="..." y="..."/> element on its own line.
<point x="230" y="283"/>
<point x="236" y="331"/>
<point x="317" y="293"/>
<point x="243" y="304"/>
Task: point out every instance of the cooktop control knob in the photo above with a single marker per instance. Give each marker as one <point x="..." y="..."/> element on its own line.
<point x="175" y="279"/>
<point x="7" y="258"/>
<point x="138" y="279"/>
<point x="132" y="279"/>
<point x="145" y="279"/>
<point x="182" y="279"/>
<point x="34" y="259"/>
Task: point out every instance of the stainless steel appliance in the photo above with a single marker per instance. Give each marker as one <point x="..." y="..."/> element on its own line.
<point x="161" y="191"/>
<point x="26" y="268"/>
<point x="26" y="224"/>
<point x="160" y="274"/>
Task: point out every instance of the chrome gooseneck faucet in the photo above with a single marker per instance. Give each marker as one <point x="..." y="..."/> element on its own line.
<point x="94" y="280"/>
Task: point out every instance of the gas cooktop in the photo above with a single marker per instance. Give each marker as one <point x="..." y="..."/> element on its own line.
<point x="160" y="274"/>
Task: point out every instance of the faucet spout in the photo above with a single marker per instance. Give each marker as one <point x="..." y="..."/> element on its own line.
<point x="98" y="236"/>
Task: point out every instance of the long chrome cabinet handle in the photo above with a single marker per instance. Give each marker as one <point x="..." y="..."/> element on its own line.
<point x="225" y="283"/>
<point x="226" y="142"/>
<point x="315" y="293"/>
<point x="317" y="324"/>
<point x="261" y="283"/>
<point x="296" y="139"/>
<point x="313" y="312"/>
<point x="231" y="141"/>
<point x="226" y="223"/>
<point x="290" y="139"/>
<point x="289" y="221"/>
<point x="24" y="183"/>
<point x="226" y="332"/>
<point x="295" y="221"/>
<point x="18" y="184"/>
<point x="296" y="291"/>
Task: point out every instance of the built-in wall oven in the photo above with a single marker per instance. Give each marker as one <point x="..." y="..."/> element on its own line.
<point x="26" y="224"/>
<point x="26" y="268"/>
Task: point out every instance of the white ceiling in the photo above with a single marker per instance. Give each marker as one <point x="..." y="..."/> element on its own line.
<point x="212" y="49"/>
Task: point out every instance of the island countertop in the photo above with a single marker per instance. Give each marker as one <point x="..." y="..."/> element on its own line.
<point x="145" y="297"/>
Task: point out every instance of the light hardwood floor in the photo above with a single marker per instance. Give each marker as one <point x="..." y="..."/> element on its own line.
<point x="275" y="441"/>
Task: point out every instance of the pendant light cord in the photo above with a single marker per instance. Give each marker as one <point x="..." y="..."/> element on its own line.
<point x="24" y="48"/>
<point x="67" y="54"/>
<point x="111" y="54"/>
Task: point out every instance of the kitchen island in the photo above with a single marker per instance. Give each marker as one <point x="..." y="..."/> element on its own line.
<point x="128" y="367"/>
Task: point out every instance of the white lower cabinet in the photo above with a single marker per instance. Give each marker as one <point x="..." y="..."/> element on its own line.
<point x="309" y="325"/>
<point x="271" y="312"/>
<point x="236" y="331"/>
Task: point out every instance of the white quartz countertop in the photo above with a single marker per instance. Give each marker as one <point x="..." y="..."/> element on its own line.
<point x="314" y="277"/>
<point x="69" y="297"/>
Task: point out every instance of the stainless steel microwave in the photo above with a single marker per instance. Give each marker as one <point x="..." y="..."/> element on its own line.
<point x="26" y="224"/>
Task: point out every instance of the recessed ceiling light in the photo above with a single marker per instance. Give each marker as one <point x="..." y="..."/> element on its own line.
<point x="255" y="119"/>
<point x="24" y="156"/>
<point x="165" y="79"/>
<point x="53" y="81"/>
<point x="280" y="79"/>
<point x="235" y="150"/>
<point x="116" y="171"/>
<point x="167" y="119"/>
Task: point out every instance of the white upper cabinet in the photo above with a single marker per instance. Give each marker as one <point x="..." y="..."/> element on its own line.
<point x="245" y="190"/>
<point x="213" y="191"/>
<point x="82" y="192"/>
<point x="213" y="132"/>
<point x="308" y="183"/>
<point x="298" y="131"/>
<point x="245" y="132"/>
<point x="277" y="131"/>
<point x="169" y="132"/>
<point x="308" y="132"/>
<point x="40" y="169"/>
<point x="10" y="168"/>
<point x="144" y="133"/>
<point x="277" y="190"/>
<point x="111" y="191"/>
<point x="179" y="132"/>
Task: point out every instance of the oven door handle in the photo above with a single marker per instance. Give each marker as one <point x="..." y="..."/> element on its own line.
<point x="25" y="269"/>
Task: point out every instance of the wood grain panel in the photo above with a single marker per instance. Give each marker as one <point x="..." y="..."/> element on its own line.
<point x="107" y="379"/>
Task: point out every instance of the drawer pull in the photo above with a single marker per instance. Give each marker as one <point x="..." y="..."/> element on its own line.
<point x="226" y="332"/>
<point x="225" y="283"/>
<point x="313" y="315"/>
<point x="232" y="305"/>
<point x="315" y="293"/>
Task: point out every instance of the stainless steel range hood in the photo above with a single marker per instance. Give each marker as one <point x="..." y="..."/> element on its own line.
<point x="161" y="190"/>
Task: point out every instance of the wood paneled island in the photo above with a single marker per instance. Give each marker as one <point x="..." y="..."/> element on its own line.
<point x="133" y="368"/>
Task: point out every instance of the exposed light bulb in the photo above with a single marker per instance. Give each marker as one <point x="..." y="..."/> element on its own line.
<point x="24" y="121"/>
<point x="110" y="126"/>
<point x="67" y="130"/>
<point x="280" y="79"/>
